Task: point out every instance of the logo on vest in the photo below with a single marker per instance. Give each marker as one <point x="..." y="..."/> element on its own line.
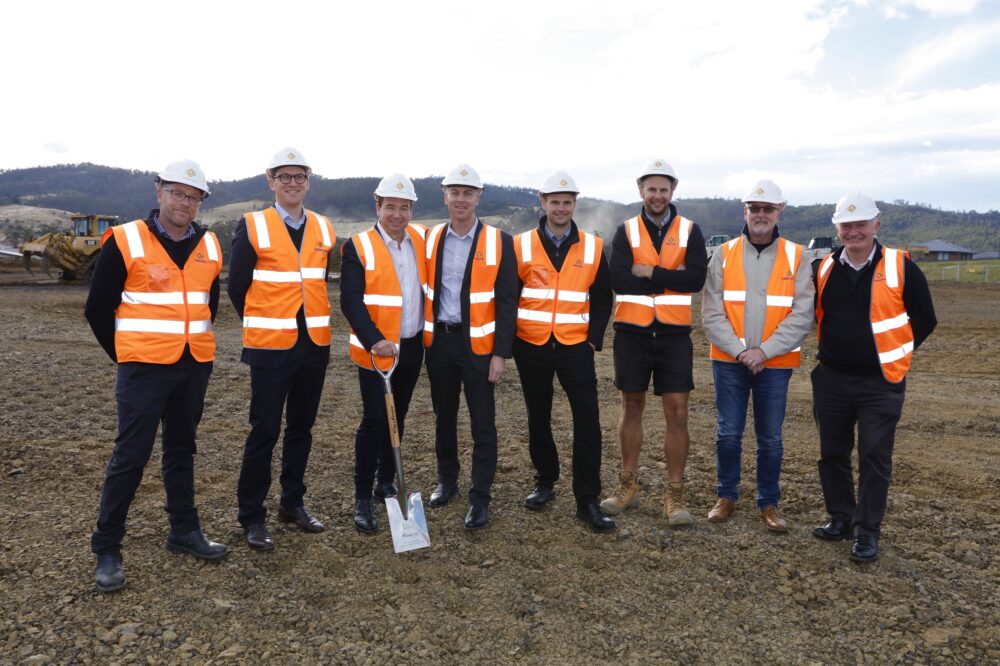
<point x="788" y="276"/>
<point x="578" y="263"/>
<point x="671" y="240"/>
<point x="200" y="258"/>
<point x="879" y="276"/>
<point x="478" y="256"/>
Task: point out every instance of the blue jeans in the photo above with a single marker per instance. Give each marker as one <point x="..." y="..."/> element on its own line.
<point x="733" y="386"/>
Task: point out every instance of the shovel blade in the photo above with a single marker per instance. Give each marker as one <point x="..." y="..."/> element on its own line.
<point x="409" y="533"/>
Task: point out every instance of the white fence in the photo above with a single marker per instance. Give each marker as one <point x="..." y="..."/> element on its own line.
<point x="965" y="271"/>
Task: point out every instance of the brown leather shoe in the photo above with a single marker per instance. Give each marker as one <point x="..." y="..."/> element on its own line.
<point x="301" y="517"/>
<point x="722" y="510"/>
<point x="773" y="519"/>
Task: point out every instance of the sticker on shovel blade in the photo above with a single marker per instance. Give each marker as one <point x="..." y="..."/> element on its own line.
<point x="408" y="533"/>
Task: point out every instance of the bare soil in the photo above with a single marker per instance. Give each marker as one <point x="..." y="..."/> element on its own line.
<point x="534" y="587"/>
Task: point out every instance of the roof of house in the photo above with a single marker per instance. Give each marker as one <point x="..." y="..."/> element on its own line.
<point x="937" y="245"/>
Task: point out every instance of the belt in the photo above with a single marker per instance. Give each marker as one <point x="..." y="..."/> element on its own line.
<point x="448" y="327"/>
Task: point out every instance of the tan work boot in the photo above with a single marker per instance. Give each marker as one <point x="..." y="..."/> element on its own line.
<point x="673" y="505"/>
<point x="626" y="495"/>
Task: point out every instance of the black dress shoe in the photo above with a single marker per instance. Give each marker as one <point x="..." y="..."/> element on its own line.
<point x="539" y="497"/>
<point x="301" y="517"/>
<point x="364" y="516"/>
<point x="595" y="519"/>
<point x="442" y="494"/>
<point x="835" y="530"/>
<point x="109" y="574"/>
<point x="195" y="543"/>
<point x="865" y="548"/>
<point x="383" y="490"/>
<point x="478" y="517"/>
<point x="259" y="537"/>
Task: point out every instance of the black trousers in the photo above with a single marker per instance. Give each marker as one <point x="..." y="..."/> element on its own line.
<point x="372" y="447"/>
<point x="148" y="395"/>
<point x="842" y="401"/>
<point x="450" y="369"/>
<point x="293" y="389"/>
<point x="574" y="366"/>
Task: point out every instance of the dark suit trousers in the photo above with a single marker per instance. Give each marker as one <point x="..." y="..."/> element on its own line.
<point x="293" y="389"/>
<point x="147" y="395"/>
<point x="372" y="446"/>
<point x="574" y="366"/>
<point x="842" y="401"/>
<point x="449" y="369"/>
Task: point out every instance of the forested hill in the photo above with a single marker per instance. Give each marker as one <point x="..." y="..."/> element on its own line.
<point x="100" y="189"/>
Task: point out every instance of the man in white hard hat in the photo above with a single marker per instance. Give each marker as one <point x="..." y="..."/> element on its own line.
<point x="277" y="283"/>
<point x="658" y="260"/>
<point x="757" y="308"/>
<point x="382" y="281"/>
<point x="153" y="298"/>
<point x="873" y="309"/>
<point x="564" y="308"/>
<point x="468" y="334"/>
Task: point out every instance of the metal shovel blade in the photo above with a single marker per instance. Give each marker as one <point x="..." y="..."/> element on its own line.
<point x="410" y="532"/>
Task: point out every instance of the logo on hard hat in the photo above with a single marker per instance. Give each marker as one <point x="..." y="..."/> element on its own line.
<point x="852" y="208"/>
<point x="399" y="186"/>
<point x="564" y="182"/>
<point x="658" y="164"/>
<point x="464" y="173"/>
<point x="760" y="190"/>
<point x="291" y="156"/>
<point x="190" y="172"/>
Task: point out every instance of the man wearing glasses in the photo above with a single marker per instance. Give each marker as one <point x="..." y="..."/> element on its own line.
<point x="757" y="309"/>
<point x="152" y="301"/>
<point x="277" y="283"/>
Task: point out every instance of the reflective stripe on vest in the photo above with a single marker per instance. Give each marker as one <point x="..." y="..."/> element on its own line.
<point x="669" y="307"/>
<point x="285" y="280"/>
<point x="383" y="296"/>
<point x="889" y="320"/>
<point x="485" y="260"/>
<point x="555" y="302"/>
<point x="778" y="301"/>
<point x="163" y="307"/>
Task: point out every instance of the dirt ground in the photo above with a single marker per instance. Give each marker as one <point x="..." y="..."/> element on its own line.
<point x="534" y="587"/>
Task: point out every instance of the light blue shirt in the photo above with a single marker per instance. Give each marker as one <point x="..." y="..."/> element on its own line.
<point x="404" y="258"/>
<point x="557" y="241"/>
<point x="287" y="218"/>
<point x="456" y="256"/>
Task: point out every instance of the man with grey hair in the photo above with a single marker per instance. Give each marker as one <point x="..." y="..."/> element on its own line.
<point x="756" y="309"/>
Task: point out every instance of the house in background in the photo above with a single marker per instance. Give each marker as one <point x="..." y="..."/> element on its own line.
<point x="939" y="250"/>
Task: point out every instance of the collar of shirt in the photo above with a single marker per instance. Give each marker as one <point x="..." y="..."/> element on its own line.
<point x="287" y="218"/>
<point x="847" y="262"/>
<point x="556" y="240"/>
<point x="163" y="232"/>
<point x="389" y="240"/>
<point x="671" y="211"/>
<point x="469" y="234"/>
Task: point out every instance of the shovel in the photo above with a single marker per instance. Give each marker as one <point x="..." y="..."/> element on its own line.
<point x="406" y="521"/>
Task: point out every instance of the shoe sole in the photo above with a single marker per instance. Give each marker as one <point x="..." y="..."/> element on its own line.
<point x="590" y="526"/>
<point x="364" y="531"/>
<point x="613" y="510"/>
<point x="476" y="528"/>
<point x="719" y="519"/>
<point x="682" y="520"/>
<point x="181" y="550"/>
<point x="830" y="537"/>
<point x="260" y="549"/>
<point x="537" y="507"/>
<point x="855" y="558"/>
<point x="110" y="588"/>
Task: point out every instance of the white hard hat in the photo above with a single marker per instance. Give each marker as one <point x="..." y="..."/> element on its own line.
<point x="187" y="172"/>
<point x="765" y="191"/>
<point x="659" y="168"/>
<point x="854" y="207"/>
<point x="288" y="156"/>
<point x="463" y="174"/>
<point x="559" y="181"/>
<point x="396" y="186"/>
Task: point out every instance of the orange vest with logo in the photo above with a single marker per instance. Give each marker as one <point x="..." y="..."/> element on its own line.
<point x="555" y="302"/>
<point x="481" y="298"/>
<point x="383" y="296"/>
<point x="164" y="307"/>
<point x="780" y="295"/>
<point x="286" y="279"/>
<point x="668" y="307"/>
<point x="890" y="321"/>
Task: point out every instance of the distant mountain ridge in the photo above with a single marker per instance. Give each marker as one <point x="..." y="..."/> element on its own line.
<point x="128" y="193"/>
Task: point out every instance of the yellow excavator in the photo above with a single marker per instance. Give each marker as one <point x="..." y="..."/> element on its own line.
<point x="73" y="253"/>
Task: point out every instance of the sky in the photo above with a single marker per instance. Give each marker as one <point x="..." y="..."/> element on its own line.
<point x="900" y="99"/>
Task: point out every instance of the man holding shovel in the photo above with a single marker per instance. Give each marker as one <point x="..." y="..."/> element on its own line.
<point x="382" y="282"/>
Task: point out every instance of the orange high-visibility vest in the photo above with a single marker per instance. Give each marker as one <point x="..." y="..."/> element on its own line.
<point x="668" y="307"/>
<point x="890" y="321"/>
<point x="481" y="298"/>
<point x="164" y="307"/>
<point x="383" y="296"/>
<point x="555" y="302"/>
<point x="780" y="295"/>
<point x="285" y="278"/>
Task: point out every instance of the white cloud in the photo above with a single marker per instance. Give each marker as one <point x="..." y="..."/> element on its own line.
<point x="962" y="44"/>
<point x="897" y="8"/>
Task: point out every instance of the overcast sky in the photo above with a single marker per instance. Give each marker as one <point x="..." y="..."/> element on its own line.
<point x="900" y="99"/>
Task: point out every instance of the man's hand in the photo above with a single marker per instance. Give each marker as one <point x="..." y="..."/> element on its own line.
<point x="497" y="365"/>
<point x="642" y="270"/>
<point x="384" y="348"/>
<point x="753" y="359"/>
